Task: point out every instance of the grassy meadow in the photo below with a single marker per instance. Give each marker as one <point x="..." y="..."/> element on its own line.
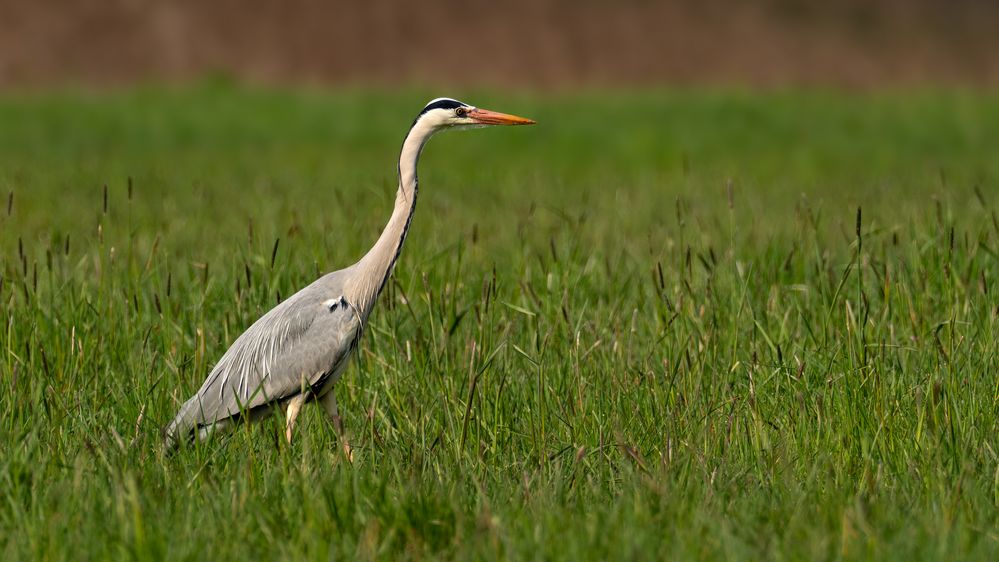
<point x="658" y="325"/>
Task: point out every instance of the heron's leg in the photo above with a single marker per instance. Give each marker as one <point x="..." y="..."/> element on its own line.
<point x="329" y="405"/>
<point x="294" y="407"/>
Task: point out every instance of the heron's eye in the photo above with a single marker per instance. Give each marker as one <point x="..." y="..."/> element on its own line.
<point x="460" y="112"/>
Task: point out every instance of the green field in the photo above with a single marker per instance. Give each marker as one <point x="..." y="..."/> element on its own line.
<point x="659" y="325"/>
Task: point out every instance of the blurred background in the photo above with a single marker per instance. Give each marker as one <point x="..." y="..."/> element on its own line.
<point x="518" y="43"/>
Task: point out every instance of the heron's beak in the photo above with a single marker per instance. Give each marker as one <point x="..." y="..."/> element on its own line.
<point x="486" y="117"/>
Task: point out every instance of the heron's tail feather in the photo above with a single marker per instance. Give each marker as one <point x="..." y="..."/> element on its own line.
<point x="183" y="428"/>
<point x="179" y="430"/>
<point x="190" y="423"/>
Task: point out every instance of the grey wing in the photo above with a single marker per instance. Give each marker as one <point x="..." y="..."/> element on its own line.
<point x="290" y="348"/>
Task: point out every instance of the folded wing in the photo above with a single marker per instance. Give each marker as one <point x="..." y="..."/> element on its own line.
<point x="286" y="351"/>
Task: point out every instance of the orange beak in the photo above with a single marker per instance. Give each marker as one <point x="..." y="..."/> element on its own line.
<point x="486" y="117"/>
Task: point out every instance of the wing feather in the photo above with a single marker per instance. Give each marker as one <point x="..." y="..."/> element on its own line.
<point x="290" y="347"/>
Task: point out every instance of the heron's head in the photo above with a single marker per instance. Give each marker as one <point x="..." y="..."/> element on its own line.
<point x="447" y="113"/>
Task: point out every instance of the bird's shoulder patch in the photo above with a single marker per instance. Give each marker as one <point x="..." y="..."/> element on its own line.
<point x="335" y="303"/>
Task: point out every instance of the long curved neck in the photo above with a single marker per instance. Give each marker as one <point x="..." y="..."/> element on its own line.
<point x="375" y="267"/>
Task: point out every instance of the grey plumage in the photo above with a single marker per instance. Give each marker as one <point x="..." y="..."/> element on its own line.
<point x="295" y="352"/>
<point x="302" y="344"/>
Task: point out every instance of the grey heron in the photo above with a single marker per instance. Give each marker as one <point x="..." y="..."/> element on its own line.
<point x="295" y="352"/>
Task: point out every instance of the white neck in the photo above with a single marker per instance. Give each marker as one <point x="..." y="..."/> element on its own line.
<point x="375" y="267"/>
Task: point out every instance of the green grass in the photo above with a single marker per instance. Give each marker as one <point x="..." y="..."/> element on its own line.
<point x="680" y="325"/>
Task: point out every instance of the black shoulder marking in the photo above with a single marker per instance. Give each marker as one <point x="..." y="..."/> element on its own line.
<point x="333" y="304"/>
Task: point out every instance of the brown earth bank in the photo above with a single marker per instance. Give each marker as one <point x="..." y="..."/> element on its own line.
<point x="520" y="43"/>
